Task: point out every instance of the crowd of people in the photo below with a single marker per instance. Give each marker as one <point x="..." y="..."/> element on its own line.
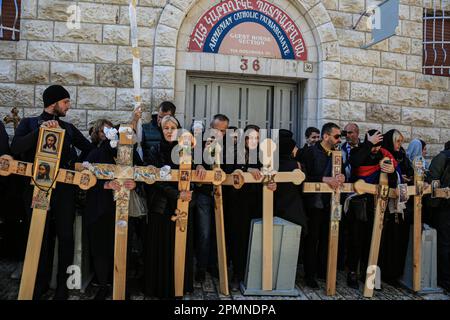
<point x="152" y="233"/>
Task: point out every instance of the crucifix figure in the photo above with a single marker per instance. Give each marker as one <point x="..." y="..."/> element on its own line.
<point x="45" y="173"/>
<point x="238" y="178"/>
<point x="335" y="216"/>
<point x="13" y="118"/>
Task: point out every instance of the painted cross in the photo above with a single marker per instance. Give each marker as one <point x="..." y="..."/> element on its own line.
<point x="216" y="149"/>
<point x="44" y="173"/>
<point x="418" y="190"/>
<point x="382" y="193"/>
<point x="335" y="217"/>
<point x="238" y="178"/>
<point x="186" y="175"/>
<point x="124" y="170"/>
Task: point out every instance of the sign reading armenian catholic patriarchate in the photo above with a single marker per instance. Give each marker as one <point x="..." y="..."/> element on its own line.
<point x="248" y="27"/>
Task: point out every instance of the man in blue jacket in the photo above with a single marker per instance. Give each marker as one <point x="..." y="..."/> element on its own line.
<point x="151" y="132"/>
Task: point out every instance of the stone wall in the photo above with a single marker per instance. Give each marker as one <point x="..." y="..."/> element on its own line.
<point x="93" y="62"/>
<point x="381" y="87"/>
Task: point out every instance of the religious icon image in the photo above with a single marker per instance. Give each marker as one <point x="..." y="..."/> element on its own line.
<point x="4" y="164"/>
<point x="184" y="175"/>
<point x="44" y="172"/>
<point x="435" y="184"/>
<point x="69" y="177"/>
<point x="40" y="200"/>
<point x="21" y="168"/>
<point x="217" y="175"/>
<point x="419" y="187"/>
<point x="50" y="143"/>
<point x="403" y="192"/>
<point x="84" y="179"/>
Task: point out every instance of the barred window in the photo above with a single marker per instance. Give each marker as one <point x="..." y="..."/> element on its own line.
<point x="10" y="19"/>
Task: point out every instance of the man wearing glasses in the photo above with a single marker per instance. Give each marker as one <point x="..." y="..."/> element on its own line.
<point x="317" y="161"/>
<point x="351" y="134"/>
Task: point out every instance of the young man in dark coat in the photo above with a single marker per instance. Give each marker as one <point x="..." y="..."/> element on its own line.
<point x="317" y="162"/>
<point x="440" y="170"/>
<point x="61" y="215"/>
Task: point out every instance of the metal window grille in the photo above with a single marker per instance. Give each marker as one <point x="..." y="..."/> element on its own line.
<point x="436" y="40"/>
<point x="10" y="19"/>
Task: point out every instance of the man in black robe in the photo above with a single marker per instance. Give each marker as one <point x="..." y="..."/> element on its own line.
<point x="61" y="215"/>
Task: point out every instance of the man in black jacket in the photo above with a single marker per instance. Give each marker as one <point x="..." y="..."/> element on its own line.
<point x="317" y="161"/>
<point x="440" y="170"/>
<point x="62" y="205"/>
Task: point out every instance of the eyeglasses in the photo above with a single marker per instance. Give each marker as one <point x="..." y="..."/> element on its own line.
<point x="337" y="136"/>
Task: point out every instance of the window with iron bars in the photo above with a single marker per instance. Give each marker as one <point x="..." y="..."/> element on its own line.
<point x="10" y="19"/>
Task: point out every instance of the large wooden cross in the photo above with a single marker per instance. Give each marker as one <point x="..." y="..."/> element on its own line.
<point x="124" y="170"/>
<point x="382" y="193"/>
<point x="216" y="149"/>
<point x="335" y="217"/>
<point x="185" y="175"/>
<point x="418" y="190"/>
<point x="45" y="173"/>
<point x="238" y="178"/>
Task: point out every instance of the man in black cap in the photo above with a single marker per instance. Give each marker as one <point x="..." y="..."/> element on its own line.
<point x="62" y="205"/>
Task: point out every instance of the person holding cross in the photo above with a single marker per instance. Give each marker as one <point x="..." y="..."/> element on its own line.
<point x="101" y="208"/>
<point x="440" y="170"/>
<point x="160" y="245"/>
<point x="62" y="206"/>
<point x="365" y="162"/>
<point x="246" y="203"/>
<point x="317" y="162"/>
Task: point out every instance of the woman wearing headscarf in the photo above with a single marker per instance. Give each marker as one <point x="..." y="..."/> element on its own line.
<point x="394" y="241"/>
<point x="160" y="245"/>
<point x="417" y="148"/>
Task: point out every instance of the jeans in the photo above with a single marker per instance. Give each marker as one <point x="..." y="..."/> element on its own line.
<point x="204" y="221"/>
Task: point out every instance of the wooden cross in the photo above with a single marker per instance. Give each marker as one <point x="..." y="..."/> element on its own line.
<point x="45" y="173"/>
<point x="382" y="193"/>
<point x="238" y="178"/>
<point x="335" y="217"/>
<point x="418" y="190"/>
<point x="14" y="117"/>
<point x="220" y="225"/>
<point x="123" y="170"/>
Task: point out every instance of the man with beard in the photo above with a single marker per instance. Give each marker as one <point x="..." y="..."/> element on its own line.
<point x="62" y="205"/>
<point x="317" y="161"/>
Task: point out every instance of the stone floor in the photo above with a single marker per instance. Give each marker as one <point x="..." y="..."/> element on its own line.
<point x="208" y="290"/>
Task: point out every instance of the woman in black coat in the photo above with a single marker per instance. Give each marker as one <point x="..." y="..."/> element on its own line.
<point x="160" y="245"/>
<point x="246" y="203"/>
<point x="395" y="236"/>
<point x="100" y="209"/>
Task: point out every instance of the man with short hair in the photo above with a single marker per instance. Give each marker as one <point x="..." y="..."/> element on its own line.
<point x="312" y="135"/>
<point x="351" y="134"/>
<point x="151" y="132"/>
<point x="317" y="162"/>
<point x="61" y="215"/>
<point x="205" y="244"/>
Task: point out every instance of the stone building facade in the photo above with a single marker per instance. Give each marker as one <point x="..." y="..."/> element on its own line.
<point x="380" y="87"/>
